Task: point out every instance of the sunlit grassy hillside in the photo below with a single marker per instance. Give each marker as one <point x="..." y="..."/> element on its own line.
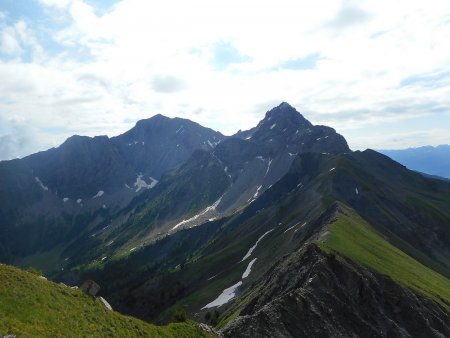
<point x="33" y="307"/>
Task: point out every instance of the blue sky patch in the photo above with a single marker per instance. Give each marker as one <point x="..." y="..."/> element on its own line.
<point x="307" y="62"/>
<point x="427" y="80"/>
<point x="225" y="54"/>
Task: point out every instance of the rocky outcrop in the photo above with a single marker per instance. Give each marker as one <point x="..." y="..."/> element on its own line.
<point x="90" y="287"/>
<point x="315" y="294"/>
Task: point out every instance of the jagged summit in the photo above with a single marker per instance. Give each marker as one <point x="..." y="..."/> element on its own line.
<point x="285" y="129"/>
<point x="284" y="112"/>
<point x="283" y="118"/>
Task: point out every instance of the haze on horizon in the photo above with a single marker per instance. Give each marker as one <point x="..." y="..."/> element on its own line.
<point x="377" y="72"/>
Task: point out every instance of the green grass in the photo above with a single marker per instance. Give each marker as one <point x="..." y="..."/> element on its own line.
<point x="353" y="237"/>
<point x="33" y="307"/>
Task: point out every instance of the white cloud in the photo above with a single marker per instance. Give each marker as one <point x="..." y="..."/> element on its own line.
<point x="9" y="42"/>
<point x="60" y="4"/>
<point x="167" y="84"/>
<point x="433" y="137"/>
<point x="16" y="138"/>
<point x="140" y="58"/>
<point x="349" y="15"/>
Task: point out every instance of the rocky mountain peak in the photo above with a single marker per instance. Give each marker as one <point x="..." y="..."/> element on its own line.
<point x="281" y="121"/>
<point x="284" y="129"/>
<point x="157" y="119"/>
<point x="284" y="114"/>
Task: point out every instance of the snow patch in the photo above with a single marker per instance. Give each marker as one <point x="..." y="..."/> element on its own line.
<point x="178" y="130"/>
<point x="226" y="172"/>
<point x="230" y="293"/>
<point x="79" y="200"/>
<point x="249" y="268"/>
<point x="250" y="251"/>
<point x="65" y="199"/>
<point x="210" y="144"/>
<point x="268" y="167"/>
<point x="103" y="300"/>
<point x="132" y="249"/>
<point x="212" y="207"/>
<point x="332" y="169"/>
<point x="273" y="126"/>
<point x="152" y="183"/>
<point x="141" y="184"/>
<point x="226" y="295"/>
<point x="193" y="218"/>
<point x="40" y="183"/>
<point x="257" y="191"/>
<point x="293" y="154"/>
<point x="103" y="258"/>
<point x="212" y="277"/>
<point x="185" y="221"/>
<point x="99" y="194"/>
<point x="292" y="227"/>
<point x="300" y="227"/>
<point x="356" y="190"/>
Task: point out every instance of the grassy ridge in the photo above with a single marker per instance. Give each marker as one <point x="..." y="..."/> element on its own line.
<point x="353" y="237"/>
<point x="33" y="307"/>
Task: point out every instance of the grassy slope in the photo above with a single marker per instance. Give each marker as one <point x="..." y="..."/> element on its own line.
<point x="31" y="306"/>
<point x="353" y="237"/>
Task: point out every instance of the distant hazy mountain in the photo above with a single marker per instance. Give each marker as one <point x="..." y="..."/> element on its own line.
<point x="429" y="160"/>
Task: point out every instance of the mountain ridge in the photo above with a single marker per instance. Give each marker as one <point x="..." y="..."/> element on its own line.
<point x="212" y="232"/>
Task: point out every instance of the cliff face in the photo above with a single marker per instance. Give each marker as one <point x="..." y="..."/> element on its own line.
<point x="316" y="294"/>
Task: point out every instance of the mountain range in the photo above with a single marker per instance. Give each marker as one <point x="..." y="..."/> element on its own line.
<point x="277" y="231"/>
<point x="429" y="160"/>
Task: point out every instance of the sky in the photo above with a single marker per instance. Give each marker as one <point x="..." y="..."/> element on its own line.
<point x="376" y="71"/>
